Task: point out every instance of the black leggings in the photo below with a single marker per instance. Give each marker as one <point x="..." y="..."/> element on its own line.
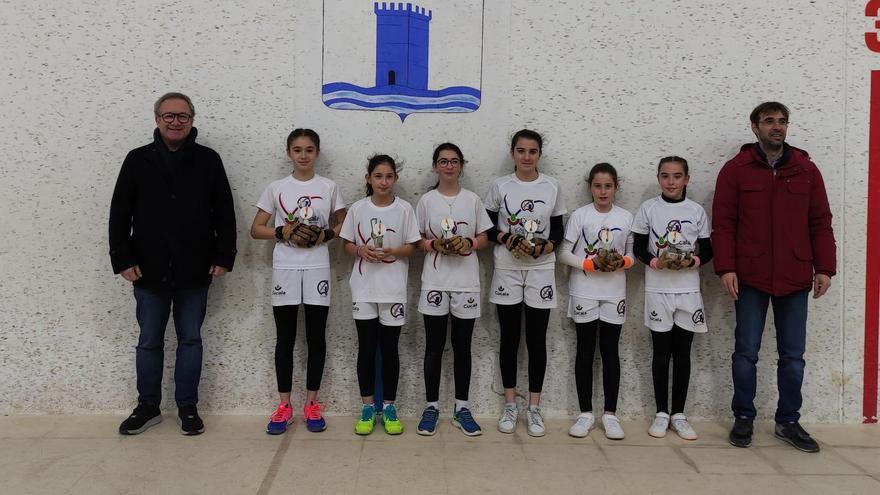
<point x="675" y="344"/>
<point x="372" y="334"/>
<point x="510" y="319"/>
<point x="609" y="336"/>
<point x="435" y="341"/>
<point x="285" y="330"/>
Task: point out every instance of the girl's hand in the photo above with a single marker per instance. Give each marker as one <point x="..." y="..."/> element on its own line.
<point x="368" y="253"/>
<point x="383" y="253"/>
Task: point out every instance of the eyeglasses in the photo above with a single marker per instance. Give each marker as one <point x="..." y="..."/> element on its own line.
<point x="782" y="122"/>
<point x="443" y="162"/>
<point x="169" y="117"/>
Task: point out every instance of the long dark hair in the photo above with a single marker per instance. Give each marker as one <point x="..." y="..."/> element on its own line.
<point x="527" y="134"/>
<point x="374" y="162"/>
<point x="446" y="147"/>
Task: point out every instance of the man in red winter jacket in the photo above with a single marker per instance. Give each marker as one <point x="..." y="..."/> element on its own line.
<point x="773" y="242"/>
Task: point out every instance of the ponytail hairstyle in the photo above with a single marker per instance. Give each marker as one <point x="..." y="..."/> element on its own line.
<point x="446" y="147"/>
<point x="677" y="159"/>
<point x="374" y="162"/>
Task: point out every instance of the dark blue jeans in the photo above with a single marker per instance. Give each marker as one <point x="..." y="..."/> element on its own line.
<point x="153" y="309"/>
<point x="790" y="318"/>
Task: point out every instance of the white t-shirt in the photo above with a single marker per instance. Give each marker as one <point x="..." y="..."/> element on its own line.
<point x="451" y="272"/>
<point x="517" y="201"/>
<point x="583" y="230"/>
<point x="657" y="218"/>
<point x="383" y="282"/>
<point x="284" y="198"/>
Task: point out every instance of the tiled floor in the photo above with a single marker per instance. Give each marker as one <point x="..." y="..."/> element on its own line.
<point x="85" y="455"/>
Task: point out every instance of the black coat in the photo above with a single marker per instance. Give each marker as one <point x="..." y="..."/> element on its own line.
<point x="173" y="220"/>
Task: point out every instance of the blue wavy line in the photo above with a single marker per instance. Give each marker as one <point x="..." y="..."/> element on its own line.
<point x="401" y="105"/>
<point x="399" y="90"/>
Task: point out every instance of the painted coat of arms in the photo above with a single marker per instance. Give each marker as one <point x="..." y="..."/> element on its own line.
<point x="402" y="57"/>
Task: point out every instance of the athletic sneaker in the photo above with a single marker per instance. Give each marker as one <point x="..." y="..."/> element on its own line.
<point x="189" y="420"/>
<point x="365" y="424"/>
<point x="612" y="427"/>
<point x="741" y="433"/>
<point x="679" y="424"/>
<point x="393" y="426"/>
<point x="583" y="425"/>
<point x="314" y="421"/>
<point x="794" y="434"/>
<point x="507" y="421"/>
<point x="535" y="421"/>
<point x="659" y="426"/>
<point x="428" y="424"/>
<point x="144" y="416"/>
<point x="464" y="420"/>
<point x="279" y="419"/>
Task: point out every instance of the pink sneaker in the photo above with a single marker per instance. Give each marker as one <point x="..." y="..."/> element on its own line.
<point x="312" y="414"/>
<point x="279" y="419"/>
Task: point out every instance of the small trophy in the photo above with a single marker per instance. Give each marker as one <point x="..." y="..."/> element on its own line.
<point x="673" y="238"/>
<point x="447" y="225"/>
<point x="378" y="234"/>
<point x="531" y="227"/>
<point x="606" y="238"/>
<point x="307" y="215"/>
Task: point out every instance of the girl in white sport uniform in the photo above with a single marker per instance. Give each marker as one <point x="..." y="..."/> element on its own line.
<point x="381" y="232"/>
<point x="526" y="208"/>
<point x="453" y="223"/>
<point x="671" y="236"/>
<point x="597" y="293"/>
<point x="300" y="271"/>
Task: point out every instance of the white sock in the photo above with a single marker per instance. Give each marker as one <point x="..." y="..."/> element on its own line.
<point x="459" y="404"/>
<point x="585" y="415"/>
<point x="510" y="404"/>
<point x="436" y="405"/>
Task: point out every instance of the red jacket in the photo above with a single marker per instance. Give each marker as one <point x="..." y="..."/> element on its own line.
<point x="772" y="227"/>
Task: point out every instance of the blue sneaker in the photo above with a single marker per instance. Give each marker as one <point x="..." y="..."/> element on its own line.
<point x="279" y="419"/>
<point x="464" y="420"/>
<point x="314" y="421"/>
<point x="428" y="424"/>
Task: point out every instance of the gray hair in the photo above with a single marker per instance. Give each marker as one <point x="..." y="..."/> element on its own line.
<point x="174" y="96"/>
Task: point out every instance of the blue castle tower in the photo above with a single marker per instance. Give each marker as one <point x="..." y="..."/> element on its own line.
<point x="401" y="70"/>
<point x="401" y="45"/>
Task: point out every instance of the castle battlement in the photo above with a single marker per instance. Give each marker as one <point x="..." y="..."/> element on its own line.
<point x="391" y="8"/>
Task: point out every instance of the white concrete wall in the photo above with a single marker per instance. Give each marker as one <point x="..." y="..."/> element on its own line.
<point x="623" y="81"/>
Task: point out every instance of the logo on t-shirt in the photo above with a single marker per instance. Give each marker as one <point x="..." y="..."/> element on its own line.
<point x="434" y="298"/>
<point x="355" y="307"/>
<point x="621" y="308"/>
<point x="654" y="317"/>
<point x="323" y="288"/>
<point x="547" y="292"/>
<point x="396" y="311"/>
<point x="677" y="240"/>
<point x="501" y="291"/>
<point x="698" y="318"/>
<point x="278" y="291"/>
<point x="514" y="218"/>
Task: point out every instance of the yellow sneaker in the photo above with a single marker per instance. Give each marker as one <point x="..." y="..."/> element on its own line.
<point x="365" y="425"/>
<point x="393" y="426"/>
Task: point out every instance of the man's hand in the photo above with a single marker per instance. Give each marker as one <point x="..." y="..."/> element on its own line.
<point x="730" y="284"/>
<point x="217" y="270"/>
<point x="821" y="283"/>
<point x="131" y="274"/>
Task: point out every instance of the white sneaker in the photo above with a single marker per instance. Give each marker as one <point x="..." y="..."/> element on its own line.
<point x="612" y="427"/>
<point x="680" y="425"/>
<point x="659" y="426"/>
<point x="507" y="421"/>
<point x="582" y="426"/>
<point x="535" y="422"/>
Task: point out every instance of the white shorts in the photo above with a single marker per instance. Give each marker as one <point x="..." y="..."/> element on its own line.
<point x="389" y="314"/>
<point x="294" y="287"/>
<point x="684" y="310"/>
<point x="536" y="287"/>
<point x="464" y="305"/>
<point x="583" y="310"/>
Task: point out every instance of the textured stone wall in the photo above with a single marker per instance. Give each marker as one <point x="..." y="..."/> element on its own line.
<point x="622" y="81"/>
